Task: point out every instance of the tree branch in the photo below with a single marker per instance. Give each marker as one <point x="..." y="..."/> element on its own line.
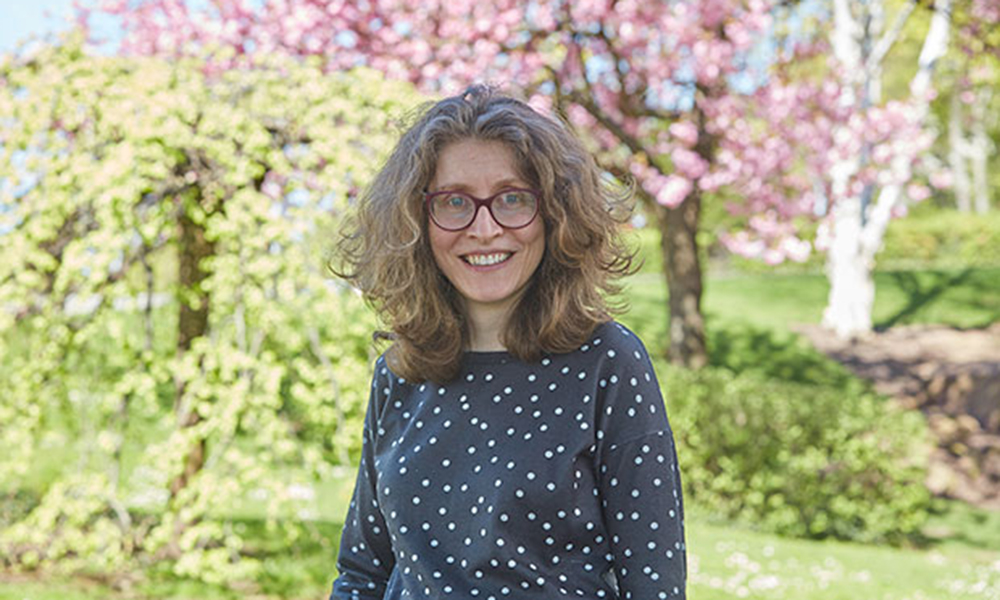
<point x="885" y="44"/>
<point x="595" y="111"/>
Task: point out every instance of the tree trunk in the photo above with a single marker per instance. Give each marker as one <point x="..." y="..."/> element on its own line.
<point x="849" y="270"/>
<point x="192" y="324"/>
<point x="956" y="155"/>
<point x="679" y="242"/>
<point x="682" y="268"/>
<point x="980" y="152"/>
<point x="980" y="185"/>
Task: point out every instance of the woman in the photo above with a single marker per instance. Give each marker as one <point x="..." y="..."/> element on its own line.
<point x="516" y="443"/>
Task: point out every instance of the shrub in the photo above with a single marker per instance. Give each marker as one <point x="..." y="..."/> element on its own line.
<point x="798" y="459"/>
<point x="942" y="239"/>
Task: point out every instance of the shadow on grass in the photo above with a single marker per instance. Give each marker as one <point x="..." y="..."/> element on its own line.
<point x="782" y="356"/>
<point x="921" y="288"/>
<point x="955" y="522"/>
<point x="969" y="298"/>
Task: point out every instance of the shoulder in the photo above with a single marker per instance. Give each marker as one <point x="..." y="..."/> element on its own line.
<point x="614" y="340"/>
<point x="616" y="333"/>
<point x="384" y="373"/>
<point x="612" y="352"/>
<point x="385" y="384"/>
<point x="629" y="402"/>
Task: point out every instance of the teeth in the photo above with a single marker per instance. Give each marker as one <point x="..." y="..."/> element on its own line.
<point x="482" y="260"/>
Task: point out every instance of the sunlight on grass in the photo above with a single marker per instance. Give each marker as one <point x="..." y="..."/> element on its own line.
<point x="733" y="563"/>
<point x="724" y="562"/>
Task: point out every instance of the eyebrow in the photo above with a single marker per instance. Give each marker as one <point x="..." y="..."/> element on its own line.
<point x="499" y="185"/>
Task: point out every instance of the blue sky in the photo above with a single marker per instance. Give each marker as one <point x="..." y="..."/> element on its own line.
<point x="21" y="18"/>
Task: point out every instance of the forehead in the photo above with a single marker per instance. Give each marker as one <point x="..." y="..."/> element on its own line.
<point x="476" y="165"/>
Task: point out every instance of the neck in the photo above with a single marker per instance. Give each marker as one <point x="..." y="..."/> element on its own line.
<point x="486" y="323"/>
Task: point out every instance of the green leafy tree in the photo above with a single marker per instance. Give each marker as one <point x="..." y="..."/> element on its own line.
<point x="171" y="339"/>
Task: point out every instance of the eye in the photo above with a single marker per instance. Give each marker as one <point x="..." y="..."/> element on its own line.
<point x="451" y="202"/>
<point x="513" y="199"/>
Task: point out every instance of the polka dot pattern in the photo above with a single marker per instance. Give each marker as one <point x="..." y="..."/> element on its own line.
<point x="519" y="480"/>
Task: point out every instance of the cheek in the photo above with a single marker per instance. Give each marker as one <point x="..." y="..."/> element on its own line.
<point x="442" y="244"/>
<point x="536" y="240"/>
<point x="439" y="243"/>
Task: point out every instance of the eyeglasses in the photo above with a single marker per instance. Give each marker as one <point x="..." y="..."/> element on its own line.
<point x="511" y="208"/>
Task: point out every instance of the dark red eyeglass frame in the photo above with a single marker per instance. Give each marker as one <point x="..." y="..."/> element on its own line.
<point x="487" y="202"/>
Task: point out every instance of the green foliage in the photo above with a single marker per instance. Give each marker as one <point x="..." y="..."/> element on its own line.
<point x="943" y="239"/>
<point x="150" y="412"/>
<point x="798" y="459"/>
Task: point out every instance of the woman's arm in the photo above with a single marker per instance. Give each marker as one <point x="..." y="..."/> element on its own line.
<point x="638" y="476"/>
<point x="644" y="513"/>
<point x="365" y="560"/>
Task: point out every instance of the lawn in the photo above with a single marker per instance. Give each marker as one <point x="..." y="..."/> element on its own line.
<point x="965" y="298"/>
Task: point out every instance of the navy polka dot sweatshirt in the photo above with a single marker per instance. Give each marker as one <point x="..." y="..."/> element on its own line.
<point x="544" y="480"/>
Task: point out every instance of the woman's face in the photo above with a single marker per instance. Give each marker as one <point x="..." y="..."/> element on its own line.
<point x="489" y="265"/>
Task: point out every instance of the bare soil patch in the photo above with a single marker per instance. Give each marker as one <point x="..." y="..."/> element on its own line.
<point x="953" y="377"/>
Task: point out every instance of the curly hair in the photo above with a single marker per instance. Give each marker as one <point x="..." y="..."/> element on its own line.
<point x="385" y="250"/>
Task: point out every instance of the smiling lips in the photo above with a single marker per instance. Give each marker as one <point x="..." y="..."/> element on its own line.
<point x="486" y="260"/>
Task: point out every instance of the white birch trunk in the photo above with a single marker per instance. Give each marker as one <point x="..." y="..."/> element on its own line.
<point x="980" y="152"/>
<point x="852" y="290"/>
<point x="980" y="148"/>
<point x="956" y="156"/>
<point x="858" y="230"/>
<point x="848" y="268"/>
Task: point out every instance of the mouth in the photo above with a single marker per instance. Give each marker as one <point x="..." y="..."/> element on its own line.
<point x="487" y="260"/>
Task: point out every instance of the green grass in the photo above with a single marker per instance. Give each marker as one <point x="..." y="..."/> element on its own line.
<point x="26" y="589"/>
<point x="749" y="319"/>
<point x="727" y="563"/>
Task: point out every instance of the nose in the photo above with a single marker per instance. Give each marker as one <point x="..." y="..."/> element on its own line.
<point x="484" y="226"/>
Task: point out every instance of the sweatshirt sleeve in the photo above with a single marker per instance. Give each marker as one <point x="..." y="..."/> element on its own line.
<point x="638" y="477"/>
<point x="366" y="560"/>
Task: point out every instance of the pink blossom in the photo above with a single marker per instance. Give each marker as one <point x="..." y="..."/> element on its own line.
<point x="918" y="192"/>
<point x="541" y="102"/>
<point x="675" y="189"/>
<point x="795" y="249"/>
<point x="685" y="132"/>
<point x="942" y="179"/>
<point x="689" y="163"/>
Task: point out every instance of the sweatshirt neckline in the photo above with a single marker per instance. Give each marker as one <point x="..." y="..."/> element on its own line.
<point x="489" y="357"/>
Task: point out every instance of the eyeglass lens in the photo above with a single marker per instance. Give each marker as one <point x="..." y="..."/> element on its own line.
<point x="510" y="209"/>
